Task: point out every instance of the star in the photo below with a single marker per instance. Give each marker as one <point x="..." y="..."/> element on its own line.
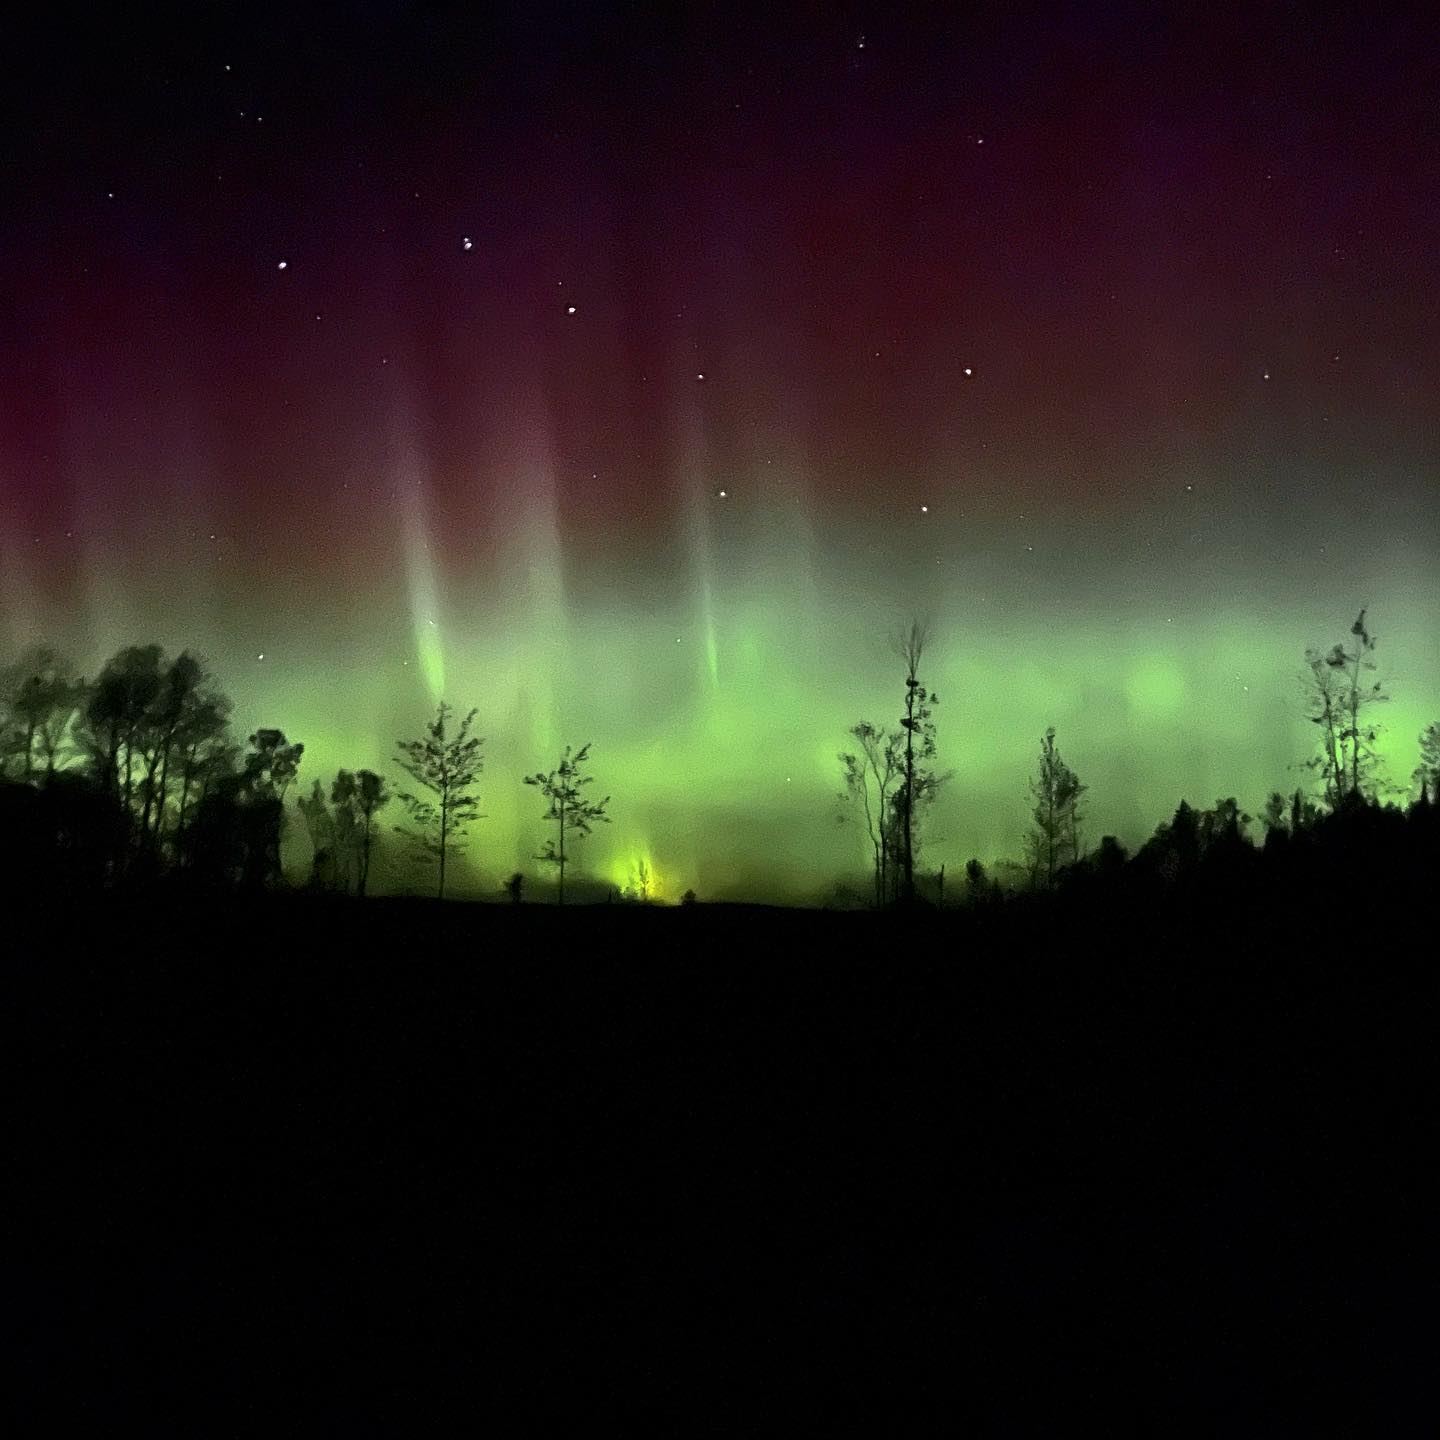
<point x="569" y="309"/>
<point x="1266" y="375"/>
<point x="261" y="655"/>
<point x="924" y="509"/>
<point x="283" y="265"/>
<point x="467" y="243"/>
<point x="968" y="370"/>
<point x="724" y="494"/>
<point x="700" y="376"/>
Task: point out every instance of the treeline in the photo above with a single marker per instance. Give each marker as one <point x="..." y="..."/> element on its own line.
<point x="891" y="783"/>
<point x="134" y="776"/>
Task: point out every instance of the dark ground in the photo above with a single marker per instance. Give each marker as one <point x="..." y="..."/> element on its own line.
<point x="329" y="1168"/>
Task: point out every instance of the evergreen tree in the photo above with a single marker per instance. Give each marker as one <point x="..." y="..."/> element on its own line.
<point x="1056" y="791"/>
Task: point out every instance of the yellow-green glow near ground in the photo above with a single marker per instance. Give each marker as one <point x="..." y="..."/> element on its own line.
<point x="625" y="409"/>
<point x="731" y="788"/>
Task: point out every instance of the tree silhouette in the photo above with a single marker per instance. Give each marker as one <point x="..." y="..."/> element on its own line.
<point x="152" y="731"/>
<point x="572" y="813"/>
<point x="639" y="886"/>
<point x="1056" y="790"/>
<point x="357" y="798"/>
<point x="185" y="716"/>
<point x="870" y="779"/>
<point x="1338" y="693"/>
<point x="269" y="769"/>
<point x="918" y="783"/>
<point x="448" y="766"/>
<point x="322" y="827"/>
<point x="39" y="696"/>
<point x="1427" y="773"/>
<point x="114" y="717"/>
<point x="202" y="756"/>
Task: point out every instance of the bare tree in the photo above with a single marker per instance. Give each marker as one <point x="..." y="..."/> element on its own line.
<point x="870" y="778"/>
<point x="449" y="767"/>
<point x="572" y="814"/>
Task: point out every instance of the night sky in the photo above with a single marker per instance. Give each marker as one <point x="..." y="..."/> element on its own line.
<point x="632" y="376"/>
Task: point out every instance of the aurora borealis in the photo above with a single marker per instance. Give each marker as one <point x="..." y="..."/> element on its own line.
<point x="632" y="376"/>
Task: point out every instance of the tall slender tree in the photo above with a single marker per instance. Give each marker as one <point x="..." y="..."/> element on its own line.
<point x="447" y="764"/>
<point x="871" y="775"/>
<point x="918" y="782"/>
<point x="568" y="808"/>
<point x="1056" y="791"/>
<point x="1339" y="694"/>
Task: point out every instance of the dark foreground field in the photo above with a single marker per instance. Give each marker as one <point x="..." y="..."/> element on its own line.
<point x="388" y="1169"/>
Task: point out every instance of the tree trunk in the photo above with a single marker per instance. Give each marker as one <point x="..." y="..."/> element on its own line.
<point x="444" y="844"/>
<point x="562" y="849"/>
<point x="909" y="837"/>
